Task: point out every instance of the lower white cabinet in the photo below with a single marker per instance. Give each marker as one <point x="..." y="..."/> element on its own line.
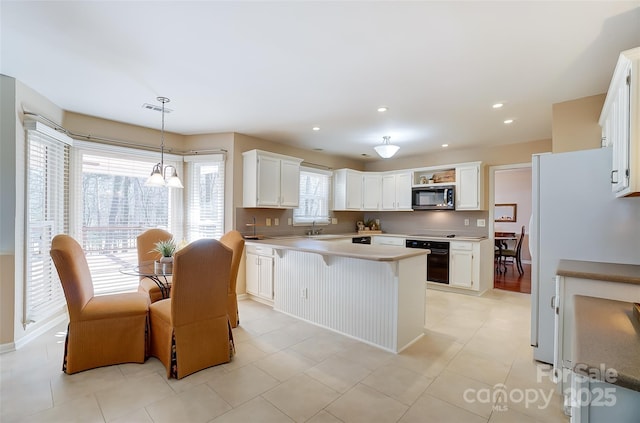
<point x="462" y="268"/>
<point x="259" y="272"/>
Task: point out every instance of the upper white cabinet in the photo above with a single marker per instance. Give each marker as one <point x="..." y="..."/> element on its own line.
<point x="270" y="180"/>
<point x="371" y="191"/>
<point x="347" y="189"/>
<point x="396" y="191"/>
<point x="469" y="187"/>
<point x="620" y="122"/>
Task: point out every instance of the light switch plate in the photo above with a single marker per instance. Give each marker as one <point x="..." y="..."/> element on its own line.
<point x="289" y="221"/>
<point x="481" y="223"/>
<point x="276" y="222"/>
<point x="334" y="220"/>
<point x="466" y="222"/>
<point x="268" y="221"/>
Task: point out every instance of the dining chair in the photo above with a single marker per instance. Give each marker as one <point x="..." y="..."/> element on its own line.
<point x="145" y="242"/>
<point x="191" y="331"/>
<point x="103" y="330"/>
<point x="234" y="241"/>
<point x="515" y="254"/>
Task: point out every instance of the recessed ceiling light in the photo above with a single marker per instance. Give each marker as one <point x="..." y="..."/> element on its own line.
<point x="445" y="145"/>
<point x="508" y="121"/>
<point x="316" y="128"/>
<point x="497" y="105"/>
<point x="382" y="109"/>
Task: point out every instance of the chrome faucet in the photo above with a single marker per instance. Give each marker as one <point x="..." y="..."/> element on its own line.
<point x="313" y="230"/>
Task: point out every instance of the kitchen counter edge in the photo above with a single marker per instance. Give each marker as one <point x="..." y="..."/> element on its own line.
<point x="602" y="271"/>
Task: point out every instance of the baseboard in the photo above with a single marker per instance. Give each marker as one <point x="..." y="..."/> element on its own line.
<point x="244" y="297"/>
<point x="40" y="330"/>
<point x="5" y="348"/>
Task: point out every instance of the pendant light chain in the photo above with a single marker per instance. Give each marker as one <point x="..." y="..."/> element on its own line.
<point x="163" y="100"/>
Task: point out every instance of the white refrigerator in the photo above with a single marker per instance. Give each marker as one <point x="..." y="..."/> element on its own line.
<point x="575" y="216"/>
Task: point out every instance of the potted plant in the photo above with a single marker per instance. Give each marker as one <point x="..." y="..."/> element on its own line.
<point x="166" y="250"/>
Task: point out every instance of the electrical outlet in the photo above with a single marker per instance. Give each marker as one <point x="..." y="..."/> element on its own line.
<point x="466" y="222"/>
<point x="289" y="222"/>
<point x="267" y="221"/>
<point x="481" y="223"/>
<point x="276" y="222"/>
<point x="334" y="220"/>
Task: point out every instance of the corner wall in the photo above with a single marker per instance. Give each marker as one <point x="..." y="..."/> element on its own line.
<point x="575" y="124"/>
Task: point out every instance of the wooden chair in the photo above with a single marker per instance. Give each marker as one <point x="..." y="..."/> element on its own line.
<point x="515" y="254"/>
<point x="103" y="330"/>
<point x="145" y="244"/>
<point x="191" y="331"/>
<point x="234" y="241"/>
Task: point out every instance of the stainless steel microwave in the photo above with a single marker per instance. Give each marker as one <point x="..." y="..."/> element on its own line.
<point x="441" y="197"/>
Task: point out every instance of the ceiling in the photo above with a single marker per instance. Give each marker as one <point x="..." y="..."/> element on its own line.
<point x="274" y="70"/>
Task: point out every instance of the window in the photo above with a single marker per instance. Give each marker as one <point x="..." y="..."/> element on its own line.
<point x="47" y="214"/>
<point x="113" y="207"/>
<point x="314" y="197"/>
<point x="205" y="197"/>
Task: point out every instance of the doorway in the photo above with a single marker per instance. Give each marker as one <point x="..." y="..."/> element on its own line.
<point x="510" y="190"/>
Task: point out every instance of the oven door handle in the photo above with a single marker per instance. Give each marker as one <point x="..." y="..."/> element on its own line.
<point x="439" y="252"/>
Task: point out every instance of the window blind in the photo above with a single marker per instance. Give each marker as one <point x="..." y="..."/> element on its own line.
<point x="314" y="197"/>
<point x="47" y="212"/>
<point x="113" y="206"/>
<point x="205" y="197"/>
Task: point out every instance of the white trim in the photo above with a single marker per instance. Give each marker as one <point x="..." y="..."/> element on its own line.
<point x="41" y="330"/>
<point x="492" y="190"/>
<point x="115" y="150"/>
<point x="316" y="170"/>
<point x="205" y="158"/>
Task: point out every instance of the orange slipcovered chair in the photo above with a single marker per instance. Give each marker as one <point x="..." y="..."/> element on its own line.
<point x="145" y="243"/>
<point x="191" y="331"/>
<point x="103" y="330"/>
<point x="234" y="241"/>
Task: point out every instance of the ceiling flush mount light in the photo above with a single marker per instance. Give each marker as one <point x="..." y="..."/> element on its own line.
<point x="383" y="109"/>
<point x="386" y="149"/>
<point x="158" y="174"/>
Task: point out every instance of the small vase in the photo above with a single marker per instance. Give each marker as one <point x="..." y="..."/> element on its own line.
<point x="164" y="266"/>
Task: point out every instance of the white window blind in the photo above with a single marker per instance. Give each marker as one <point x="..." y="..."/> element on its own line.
<point x="113" y="207"/>
<point x="205" y="197"/>
<point x="314" y="197"/>
<point x="47" y="211"/>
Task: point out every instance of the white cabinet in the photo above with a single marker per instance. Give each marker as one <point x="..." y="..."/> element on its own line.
<point x="562" y="303"/>
<point x="270" y="180"/>
<point x="371" y="191"/>
<point x="347" y="189"/>
<point x="620" y="122"/>
<point x="462" y="266"/>
<point x="394" y="241"/>
<point x="396" y="191"/>
<point x="259" y="272"/>
<point x="469" y="187"/>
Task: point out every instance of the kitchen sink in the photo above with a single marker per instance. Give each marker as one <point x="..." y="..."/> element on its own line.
<point x="325" y="236"/>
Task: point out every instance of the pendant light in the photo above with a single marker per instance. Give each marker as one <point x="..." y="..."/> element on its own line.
<point x="386" y="149"/>
<point x="157" y="178"/>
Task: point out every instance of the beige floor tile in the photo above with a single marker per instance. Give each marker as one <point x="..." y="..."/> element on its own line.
<point x="324" y="417"/>
<point x="138" y="416"/>
<point x="301" y="397"/>
<point x="246" y="353"/>
<point x="510" y="416"/>
<point x="319" y="347"/>
<point x="366" y="355"/>
<point x="258" y="409"/>
<point x="535" y="398"/>
<point x="479" y="367"/>
<point x="197" y="404"/>
<point x="203" y="376"/>
<point x="366" y="405"/>
<point x="428" y="409"/>
<point x="338" y="373"/>
<point x="130" y="395"/>
<point x="398" y="383"/>
<point x="83" y="409"/>
<point x="243" y="384"/>
<point x="462" y="330"/>
<point x="68" y="387"/>
<point x="284" y="364"/>
<point x="462" y="392"/>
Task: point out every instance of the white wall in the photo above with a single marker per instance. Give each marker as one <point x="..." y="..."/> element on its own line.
<point x="513" y="186"/>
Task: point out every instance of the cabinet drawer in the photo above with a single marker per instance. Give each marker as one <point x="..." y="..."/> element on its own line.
<point x="259" y="250"/>
<point x="466" y="246"/>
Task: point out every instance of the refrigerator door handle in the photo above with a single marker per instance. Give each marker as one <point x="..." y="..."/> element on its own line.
<point x="616" y="173"/>
<point x="553" y="302"/>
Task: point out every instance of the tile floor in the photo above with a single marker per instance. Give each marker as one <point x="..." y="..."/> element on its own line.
<point x="285" y="370"/>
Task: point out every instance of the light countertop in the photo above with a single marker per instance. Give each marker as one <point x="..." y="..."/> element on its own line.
<point x="331" y="247"/>
<point x="607" y="334"/>
<point x="611" y="272"/>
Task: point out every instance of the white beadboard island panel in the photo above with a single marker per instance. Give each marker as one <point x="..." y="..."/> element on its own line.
<point x="379" y="302"/>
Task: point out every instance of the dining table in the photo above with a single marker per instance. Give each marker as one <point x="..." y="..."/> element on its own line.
<point x="160" y="273"/>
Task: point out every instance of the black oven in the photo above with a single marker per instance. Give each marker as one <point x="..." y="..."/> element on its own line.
<point x="437" y="261"/>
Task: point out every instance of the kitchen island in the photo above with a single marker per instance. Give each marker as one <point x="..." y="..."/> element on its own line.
<point x="373" y="293"/>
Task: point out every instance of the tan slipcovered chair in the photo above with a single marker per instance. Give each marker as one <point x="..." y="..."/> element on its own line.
<point x="234" y="241"/>
<point x="103" y="330"/>
<point x="191" y="331"/>
<point x="145" y="243"/>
